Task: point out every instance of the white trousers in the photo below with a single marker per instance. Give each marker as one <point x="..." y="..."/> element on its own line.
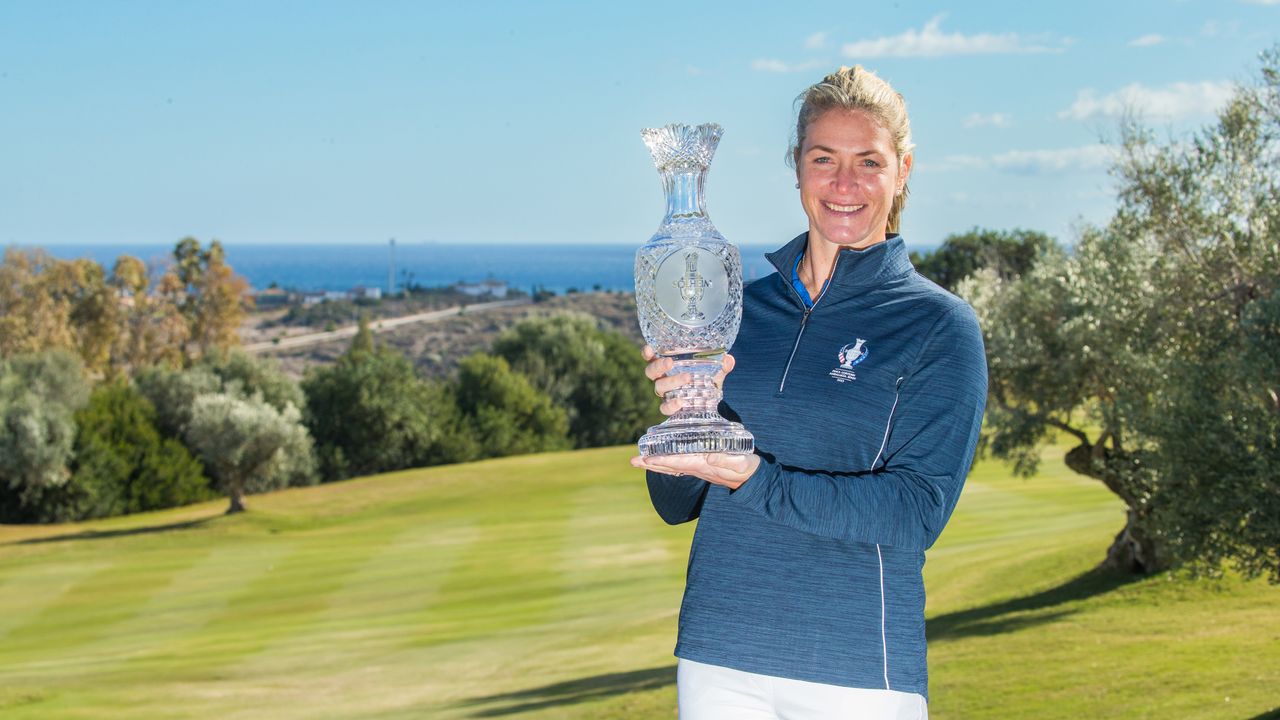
<point x="711" y="692"/>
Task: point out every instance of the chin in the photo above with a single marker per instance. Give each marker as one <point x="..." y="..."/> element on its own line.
<point x="848" y="241"/>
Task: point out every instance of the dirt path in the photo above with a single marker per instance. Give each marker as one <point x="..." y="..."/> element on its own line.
<point x="376" y="326"/>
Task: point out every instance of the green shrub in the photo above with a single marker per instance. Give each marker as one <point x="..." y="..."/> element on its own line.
<point x="595" y="375"/>
<point x="122" y="464"/>
<point x="502" y="413"/>
<point x="370" y="412"/>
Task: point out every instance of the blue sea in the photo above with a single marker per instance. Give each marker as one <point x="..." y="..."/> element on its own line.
<point x="342" y="267"/>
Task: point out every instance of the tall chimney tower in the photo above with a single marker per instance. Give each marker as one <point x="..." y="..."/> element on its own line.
<point x="391" y="270"/>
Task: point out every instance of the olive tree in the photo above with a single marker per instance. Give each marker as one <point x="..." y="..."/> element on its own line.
<point x="247" y="445"/>
<point x="39" y="394"/>
<point x="1155" y="345"/>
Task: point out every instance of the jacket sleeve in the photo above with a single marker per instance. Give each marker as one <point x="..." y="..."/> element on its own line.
<point x="678" y="499"/>
<point x="933" y="432"/>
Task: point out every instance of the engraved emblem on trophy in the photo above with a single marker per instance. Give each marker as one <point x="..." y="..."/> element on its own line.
<point x="691" y="286"/>
<point x="689" y="295"/>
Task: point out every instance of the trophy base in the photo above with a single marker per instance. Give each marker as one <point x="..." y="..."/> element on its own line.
<point x="703" y="436"/>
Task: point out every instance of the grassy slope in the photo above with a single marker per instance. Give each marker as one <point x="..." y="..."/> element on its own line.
<point x="544" y="586"/>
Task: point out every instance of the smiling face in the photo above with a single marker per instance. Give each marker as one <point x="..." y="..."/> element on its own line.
<point x="849" y="174"/>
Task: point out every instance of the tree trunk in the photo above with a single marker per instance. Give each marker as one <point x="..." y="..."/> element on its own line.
<point x="1135" y="551"/>
<point x="237" y="500"/>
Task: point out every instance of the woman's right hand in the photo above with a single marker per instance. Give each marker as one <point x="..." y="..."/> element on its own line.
<point x="658" y="368"/>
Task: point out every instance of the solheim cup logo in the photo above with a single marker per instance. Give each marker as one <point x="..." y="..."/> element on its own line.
<point x="691" y="287"/>
<point x="689" y="295"/>
<point x="849" y="355"/>
<point x="852" y="354"/>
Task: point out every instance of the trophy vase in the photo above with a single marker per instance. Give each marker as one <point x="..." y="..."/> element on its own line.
<point x="689" y="296"/>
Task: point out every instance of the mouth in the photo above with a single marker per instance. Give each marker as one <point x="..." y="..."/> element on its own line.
<point x="846" y="209"/>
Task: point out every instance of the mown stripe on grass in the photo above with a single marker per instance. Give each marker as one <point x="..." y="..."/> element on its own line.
<point x="175" y="615"/>
<point x="284" y="600"/>
<point x="88" y="609"/>
<point x="27" y="590"/>
<point x="609" y="549"/>
<point x="367" y="615"/>
<point x="509" y="577"/>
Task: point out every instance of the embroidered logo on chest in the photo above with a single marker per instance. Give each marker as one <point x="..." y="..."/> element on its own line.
<point x="849" y="355"/>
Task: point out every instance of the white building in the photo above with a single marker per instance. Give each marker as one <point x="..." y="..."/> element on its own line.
<point x="490" y="287"/>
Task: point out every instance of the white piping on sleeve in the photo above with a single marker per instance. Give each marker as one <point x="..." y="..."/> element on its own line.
<point x="887" y="424"/>
<point x="884" y="643"/>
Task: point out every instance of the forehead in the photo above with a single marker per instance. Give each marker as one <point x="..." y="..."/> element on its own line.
<point x="848" y="129"/>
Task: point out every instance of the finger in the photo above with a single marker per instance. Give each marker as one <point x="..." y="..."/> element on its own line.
<point x="671" y="407"/>
<point x="647" y="353"/>
<point x="666" y="384"/>
<point x="658" y="467"/>
<point x="726" y="367"/>
<point x="725" y="461"/>
<point x="658" y="367"/>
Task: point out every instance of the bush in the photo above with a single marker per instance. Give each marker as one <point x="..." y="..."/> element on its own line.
<point x="502" y="413"/>
<point x="595" y="375"/>
<point x="370" y="412"/>
<point x="1009" y="253"/>
<point x="123" y="465"/>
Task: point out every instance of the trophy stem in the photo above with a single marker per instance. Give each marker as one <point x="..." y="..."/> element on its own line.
<point x="701" y="395"/>
<point x="697" y="427"/>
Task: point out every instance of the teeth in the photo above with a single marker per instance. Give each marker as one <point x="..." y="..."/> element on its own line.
<point x="843" y="208"/>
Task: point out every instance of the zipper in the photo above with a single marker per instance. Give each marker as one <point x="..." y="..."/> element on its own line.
<point x="804" y="319"/>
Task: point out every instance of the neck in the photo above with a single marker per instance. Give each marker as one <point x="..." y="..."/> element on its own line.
<point x="820" y="261"/>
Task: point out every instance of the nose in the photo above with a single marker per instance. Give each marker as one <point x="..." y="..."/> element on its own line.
<point x="846" y="179"/>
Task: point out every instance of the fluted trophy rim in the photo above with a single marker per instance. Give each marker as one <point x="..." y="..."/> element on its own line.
<point x="682" y="145"/>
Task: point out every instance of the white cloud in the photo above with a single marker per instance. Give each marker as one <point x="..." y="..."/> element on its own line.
<point x="1177" y="100"/>
<point x="1147" y="40"/>
<point x="1213" y="28"/>
<point x="778" y="66"/>
<point x="999" y="120"/>
<point x="1034" y="162"/>
<point x="1085" y="158"/>
<point x="816" y="41"/>
<point x="930" y="41"/>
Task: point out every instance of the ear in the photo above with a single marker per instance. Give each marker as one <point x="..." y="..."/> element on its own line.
<point x="904" y="170"/>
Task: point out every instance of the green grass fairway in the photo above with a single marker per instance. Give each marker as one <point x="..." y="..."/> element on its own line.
<point x="545" y="587"/>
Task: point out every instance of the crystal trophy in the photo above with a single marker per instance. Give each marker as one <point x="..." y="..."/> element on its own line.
<point x="689" y="296"/>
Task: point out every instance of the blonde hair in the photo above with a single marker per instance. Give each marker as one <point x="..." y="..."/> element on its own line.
<point x="856" y="88"/>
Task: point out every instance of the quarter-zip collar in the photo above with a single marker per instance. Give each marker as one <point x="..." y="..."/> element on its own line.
<point x="855" y="269"/>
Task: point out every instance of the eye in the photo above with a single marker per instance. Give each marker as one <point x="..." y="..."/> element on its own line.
<point x="870" y="163"/>
<point x="822" y="160"/>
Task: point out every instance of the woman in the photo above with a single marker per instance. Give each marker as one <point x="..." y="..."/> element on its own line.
<point x="864" y="385"/>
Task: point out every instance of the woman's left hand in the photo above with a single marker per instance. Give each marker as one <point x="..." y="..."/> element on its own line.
<point x="718" y="468"/>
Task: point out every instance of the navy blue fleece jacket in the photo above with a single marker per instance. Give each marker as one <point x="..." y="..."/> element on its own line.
<point x="866" y="410"/>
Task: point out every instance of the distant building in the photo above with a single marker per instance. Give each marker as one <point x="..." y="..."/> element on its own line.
<point x="315" y="297"/>
<point x="271" y="297"/>
<point x="490" y="288"/>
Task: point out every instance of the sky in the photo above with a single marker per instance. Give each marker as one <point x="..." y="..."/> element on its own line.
<point x="490" y="122"/>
